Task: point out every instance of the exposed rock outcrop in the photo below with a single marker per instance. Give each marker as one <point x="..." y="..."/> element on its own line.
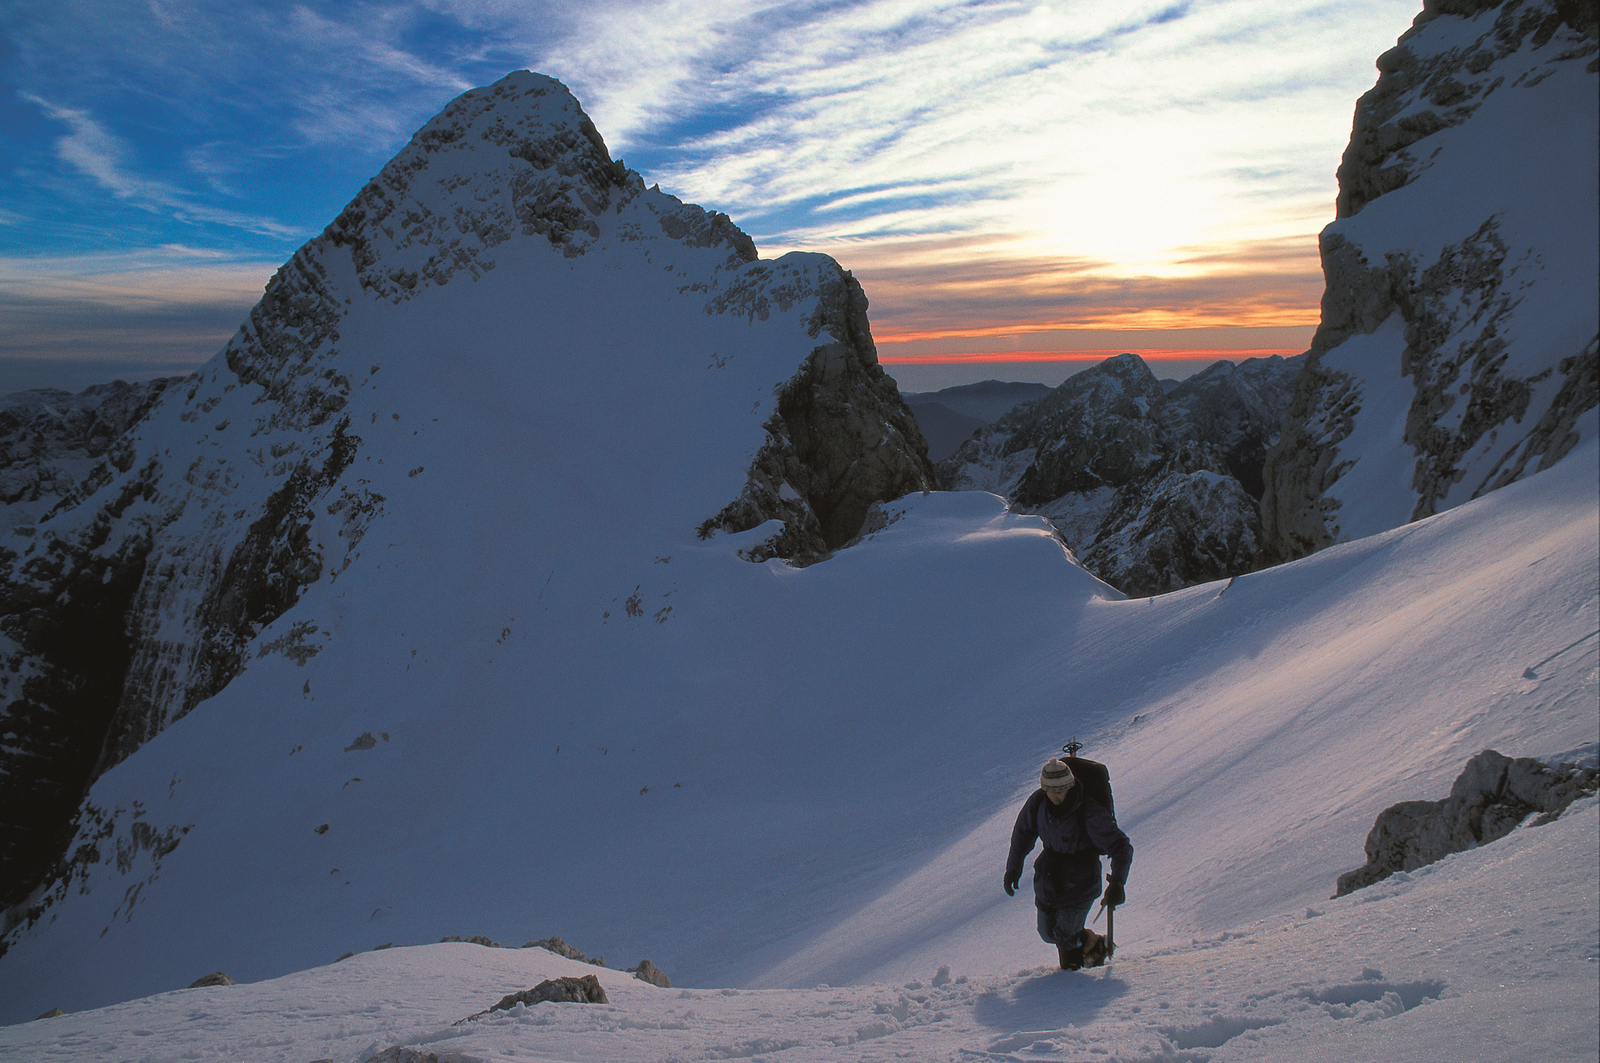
<point x="561" y="948"/>
<point x="1153" y="488"/>
<point x="566" y="990"/>
<point x="1493" y="796"/>
<point x="50" y="440"/>
<point x="214" y="978"/>
<point x="397" y="1054"/>
<point x="649" y="972"/>
<point x="841" y="439"/>
<point x="1459" y="339"/>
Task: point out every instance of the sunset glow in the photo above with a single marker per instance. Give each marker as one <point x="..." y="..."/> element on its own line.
<point x="1148" y="354"/>
<point x="990" y="170"/>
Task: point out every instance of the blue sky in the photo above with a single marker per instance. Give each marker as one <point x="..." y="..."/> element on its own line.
<point x="1017" y="185"/>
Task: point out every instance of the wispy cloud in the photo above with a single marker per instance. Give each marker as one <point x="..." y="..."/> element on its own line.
<point x="1113" y="130"/>
<point x="93" y="150"/>
<point x="107" y="159"/>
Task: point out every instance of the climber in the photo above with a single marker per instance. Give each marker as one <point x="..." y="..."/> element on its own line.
<point x="1076" y="828"/>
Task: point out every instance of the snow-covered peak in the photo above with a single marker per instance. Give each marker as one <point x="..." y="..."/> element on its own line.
<point x="509" y="385"/>
<point x="517" y="157"/>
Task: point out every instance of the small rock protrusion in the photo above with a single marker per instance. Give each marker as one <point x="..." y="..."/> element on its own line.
<point x="561" y="948"/>
<point x="214" y="978"/>
<point x="649" y="972"/>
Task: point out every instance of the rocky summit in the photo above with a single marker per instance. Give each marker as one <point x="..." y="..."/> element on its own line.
<point x="504" y="338"/>
<point x="1459" y="346"/>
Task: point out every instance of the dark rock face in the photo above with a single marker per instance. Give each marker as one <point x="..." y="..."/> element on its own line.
<point x="1095" y="430"/>
<point x="50" y="438"/>
<point x="1153" y="488"/>
<point x="397" y="1054"/>
<point x="1492" y="796"/>
<point x="66" y="612"/>
<point x="1483" y="410"/>
<point x="1180" y="528"/>
<point x="841" y="440"/>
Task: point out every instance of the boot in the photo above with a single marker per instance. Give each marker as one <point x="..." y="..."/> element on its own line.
<point x="1071" y="957"/>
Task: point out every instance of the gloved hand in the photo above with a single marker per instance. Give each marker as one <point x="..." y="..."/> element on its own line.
<point x="1011" y="884"/>
<point x="1115" y="894"/>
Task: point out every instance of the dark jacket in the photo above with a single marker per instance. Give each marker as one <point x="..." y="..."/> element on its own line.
<point x="1067" y="872"/>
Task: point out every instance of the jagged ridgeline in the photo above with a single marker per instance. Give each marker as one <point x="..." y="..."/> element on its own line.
<point x="505" y="329"/>
<point x="1153" y="489"/>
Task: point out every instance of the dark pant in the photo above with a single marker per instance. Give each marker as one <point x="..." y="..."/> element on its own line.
<point x="1060" y="926"/>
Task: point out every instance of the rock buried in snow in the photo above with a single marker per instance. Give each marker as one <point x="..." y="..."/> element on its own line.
<point x="214" y="978"/>
<point x="399" y="1055"/>
<point x="649" y="972"/>
<point x="53" y="1013"/>
<point x="584" y="990"/>
<point x="1493" y="795"/>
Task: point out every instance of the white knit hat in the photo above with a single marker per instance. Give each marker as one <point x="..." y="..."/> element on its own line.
<point x="1057" y="776"/>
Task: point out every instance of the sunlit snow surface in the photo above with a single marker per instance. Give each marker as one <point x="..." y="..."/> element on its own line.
<point x="848" y="825"/>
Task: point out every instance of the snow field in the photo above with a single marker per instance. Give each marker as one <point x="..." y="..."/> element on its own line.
<point x="1407" y="969"/>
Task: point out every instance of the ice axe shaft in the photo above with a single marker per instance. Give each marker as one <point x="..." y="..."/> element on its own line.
<point x="1111" y="937"/>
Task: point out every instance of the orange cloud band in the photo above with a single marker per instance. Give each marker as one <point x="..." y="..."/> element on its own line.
<point x="1148" y="354"/>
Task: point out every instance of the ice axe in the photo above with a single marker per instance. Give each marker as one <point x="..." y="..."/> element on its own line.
<point x="1111" y="913"/>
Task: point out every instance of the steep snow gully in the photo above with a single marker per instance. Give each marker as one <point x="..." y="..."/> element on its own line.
<point x="538" y="561"/>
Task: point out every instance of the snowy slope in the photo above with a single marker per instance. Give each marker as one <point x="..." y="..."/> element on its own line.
<point x="1460" y="334"/>
<point x="1275" y="717"/>
<point x="433" y="491"/>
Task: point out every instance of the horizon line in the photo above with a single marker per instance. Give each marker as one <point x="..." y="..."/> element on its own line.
<point x="1148" y="354"/>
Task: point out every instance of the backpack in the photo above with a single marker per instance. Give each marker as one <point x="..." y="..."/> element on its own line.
<point x="1093" y="776"/>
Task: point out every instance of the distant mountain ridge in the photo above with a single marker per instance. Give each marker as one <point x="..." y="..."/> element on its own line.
<point x="986" y="400"/>
<point x="950" y="415"/>
<point x="1153" y="488"/>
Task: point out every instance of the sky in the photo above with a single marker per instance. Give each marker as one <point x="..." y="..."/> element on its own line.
<point x="1022" y="188"/>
